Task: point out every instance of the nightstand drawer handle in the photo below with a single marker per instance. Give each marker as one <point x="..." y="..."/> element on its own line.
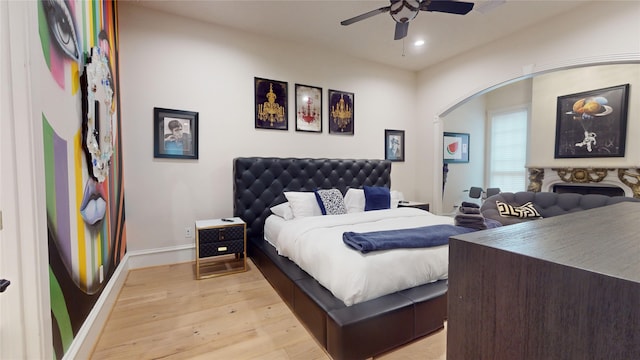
<point x="222" y="248"/>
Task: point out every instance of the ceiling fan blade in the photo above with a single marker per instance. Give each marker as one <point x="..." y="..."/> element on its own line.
<point x="365" y="15"/>
<point x="402" y="28"/>
<point x="447" y="6"/>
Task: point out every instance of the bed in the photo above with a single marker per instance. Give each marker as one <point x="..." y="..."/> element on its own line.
<point x="351" y="329"/>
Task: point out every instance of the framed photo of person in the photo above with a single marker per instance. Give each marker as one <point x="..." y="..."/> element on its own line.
<point x="394" y="145"/>
<point x="175" y="134"/>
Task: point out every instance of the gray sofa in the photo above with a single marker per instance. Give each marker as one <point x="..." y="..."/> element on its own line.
<point x="548" y="204"/>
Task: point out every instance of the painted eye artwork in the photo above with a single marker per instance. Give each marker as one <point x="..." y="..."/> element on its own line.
<point x="86" y="232"/>
<point x="62" y="27"/>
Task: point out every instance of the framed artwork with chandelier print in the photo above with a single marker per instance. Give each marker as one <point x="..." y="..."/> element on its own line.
<point x="341" y="119"/>
<point x="271" y="98"/>
<point x="592" y="123"/>
<point x="175" y="134"/>
<point x="308" y="108"/>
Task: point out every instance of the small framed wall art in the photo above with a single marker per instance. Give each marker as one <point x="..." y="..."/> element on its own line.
<point x="308" y="108"/>
<point x="271" y="104"/>
<point x="175" y="134"/>
<point x="341" y="119"/>
<point x="592" y="123"/>
<point x="394" y="145"/>
<point x="456" y="148"/>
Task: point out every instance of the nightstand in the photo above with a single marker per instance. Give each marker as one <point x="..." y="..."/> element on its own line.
<point x="221" y="247"/>
<point x="414" y="204"/>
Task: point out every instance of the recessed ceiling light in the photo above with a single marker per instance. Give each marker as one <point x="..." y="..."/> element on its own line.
<point x="418" y="43"/>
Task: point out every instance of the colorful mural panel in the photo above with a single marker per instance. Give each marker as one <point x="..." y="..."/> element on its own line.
<point x="83" y="158"/>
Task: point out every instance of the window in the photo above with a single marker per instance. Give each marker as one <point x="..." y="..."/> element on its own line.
<point x="508" y="149"/>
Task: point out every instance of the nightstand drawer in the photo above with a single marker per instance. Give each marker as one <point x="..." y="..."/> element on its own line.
<point x="217" y="234"/>
<point x="221" y="248"/>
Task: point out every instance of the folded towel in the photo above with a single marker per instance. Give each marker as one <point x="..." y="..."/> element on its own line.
<point x="468" y="210"/>
<point x="477" y="225"/>
<point x="425" y="236"/>
<point x="467" y="220"/>
<point x="469" y="204"/>
<point x="471" y="225"/>
<point x="473" y="221"/>
<point x="473" y="217"/>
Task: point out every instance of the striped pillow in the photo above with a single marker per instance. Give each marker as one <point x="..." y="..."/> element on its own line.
<point x="523" y="211"/>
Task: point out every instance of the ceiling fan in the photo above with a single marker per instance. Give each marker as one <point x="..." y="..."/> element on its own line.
<point x="403" y="11"/>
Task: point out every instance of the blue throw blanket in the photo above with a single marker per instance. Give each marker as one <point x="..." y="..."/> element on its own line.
<point x="425" y="236"/>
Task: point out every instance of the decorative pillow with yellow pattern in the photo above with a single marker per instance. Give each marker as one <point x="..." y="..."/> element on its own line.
<point x="523" y="211"/>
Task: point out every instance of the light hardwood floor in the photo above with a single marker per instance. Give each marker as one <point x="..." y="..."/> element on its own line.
<point x="164" y="313"/>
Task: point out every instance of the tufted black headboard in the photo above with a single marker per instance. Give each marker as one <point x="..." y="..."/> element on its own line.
<point x="259" y="183"/>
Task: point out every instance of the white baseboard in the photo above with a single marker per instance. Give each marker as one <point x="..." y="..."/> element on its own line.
<point x="161" y="256"/>
<point x="84" y="342"/>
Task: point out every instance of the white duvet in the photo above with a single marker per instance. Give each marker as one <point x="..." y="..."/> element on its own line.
<point x="315" y="244"/>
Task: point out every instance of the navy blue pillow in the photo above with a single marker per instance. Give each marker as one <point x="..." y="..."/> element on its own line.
<point x="376" y="198"/>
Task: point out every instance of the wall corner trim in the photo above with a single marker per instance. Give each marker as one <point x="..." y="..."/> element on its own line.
<point x="87" y="336"/>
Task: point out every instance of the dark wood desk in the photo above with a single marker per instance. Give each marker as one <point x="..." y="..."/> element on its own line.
<point x="566" y="287"/>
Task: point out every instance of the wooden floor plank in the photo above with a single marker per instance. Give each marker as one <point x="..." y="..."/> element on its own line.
<point x="164" y="313"/>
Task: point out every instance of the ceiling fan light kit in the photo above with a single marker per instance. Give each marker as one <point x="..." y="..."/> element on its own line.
<point x="403" y="11"/>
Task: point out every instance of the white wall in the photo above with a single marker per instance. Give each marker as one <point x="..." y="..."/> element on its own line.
<point x="547" y="88"/>
<point x="470" y="119"/>
<point x="565" y="41"/>
<point x="173" y="62"/>
<point x="539" y="93"/>
<point x="178" y="63"/>
<point x="168" y="61"/>
<point x="509" y="96"/>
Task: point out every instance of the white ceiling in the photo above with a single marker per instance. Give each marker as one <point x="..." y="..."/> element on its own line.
<point x="317" y="22"/>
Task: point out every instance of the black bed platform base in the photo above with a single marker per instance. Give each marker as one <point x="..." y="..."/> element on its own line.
<point x="361" y="330"/>
<point x="346" y="332"/>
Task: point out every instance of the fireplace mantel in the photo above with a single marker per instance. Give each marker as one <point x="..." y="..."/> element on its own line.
<point x="627" y="179"/>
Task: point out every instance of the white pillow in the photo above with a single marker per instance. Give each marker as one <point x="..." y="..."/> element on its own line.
<point x="303" y="204"/>
<point x="396" y="197"/>
<point x="354" y="200"/>
<point x="283" y="210"/>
